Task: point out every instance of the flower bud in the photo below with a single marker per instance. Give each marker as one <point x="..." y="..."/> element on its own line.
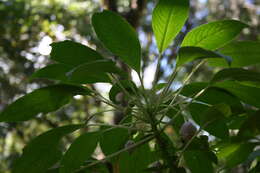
<point x="187" y="131"/>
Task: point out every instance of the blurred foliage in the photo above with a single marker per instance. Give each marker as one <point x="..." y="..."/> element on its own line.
<point x="28" y="26"/>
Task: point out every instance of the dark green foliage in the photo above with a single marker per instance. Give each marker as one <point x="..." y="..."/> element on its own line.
<point x="42" y="100"/>
<point x="119" y="37"/>
<point x="150" y="137"/>
<point x="43" y="151"/>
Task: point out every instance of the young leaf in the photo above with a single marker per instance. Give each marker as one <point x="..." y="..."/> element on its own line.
<point x="113" y="140"/>
<point x="43" y="152"/>
<point x="213" y="35"/>
<point x="119" y="37"/>
<point x="79" y="151"/>
<point x="53" y="72"/>
<point x="94" y="72"/>
<point x="237" y="74"/>
<point x="243" y="53"/>
<point x="168" y="18"/>
<point x="42" y="100"/>
<point x="72" y="53"/>
<point x="198" y="161"/>
<point x="188" y="54"/>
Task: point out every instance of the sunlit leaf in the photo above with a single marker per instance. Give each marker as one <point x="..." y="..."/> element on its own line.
<point x="168" y="18"/>
<point x="214" y="34"/>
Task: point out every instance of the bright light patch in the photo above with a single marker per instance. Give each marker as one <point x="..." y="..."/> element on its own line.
<point x="44" y="47"/>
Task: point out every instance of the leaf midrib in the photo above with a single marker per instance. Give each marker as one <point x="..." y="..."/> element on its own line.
<point x="166" y="28"/>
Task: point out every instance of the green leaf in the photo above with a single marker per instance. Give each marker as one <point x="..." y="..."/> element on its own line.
<point x="160" y="86"/>
<point x="254" y="155"/>
<point x="237" y="74"/>
<point x="212" y="95"/>
<point x="188" y="54"/>
<point x="93" y="72"/>
<point x="212" y="119"/>
<point x="136" y="161"/>
<point x="112" y="140"/>
<point x="250" y="126"/>
<point x="243" y="53"/>
<point x="234" y="153"/>
<point x="42" y="100"/>
<point x="43" y="151"/>
<point x="168" y="18"/>
<point x="53" y="72"/>
<point x="119" y="37"/>
<point x="117" y="88"/>
<point x="198" y="161"/>
<point x="72" y="53"/>
<point x="79" y="151"/>
<point x="246" y="93"/>
<point x="214" y="34"/>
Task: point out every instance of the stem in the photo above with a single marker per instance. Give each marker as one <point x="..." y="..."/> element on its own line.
<point x="180" y="111"/>
<point x="167" y="158"/>
<point x="184" y="83"/>
<point x="158" y="66"/>
<point x="97" y="113"/>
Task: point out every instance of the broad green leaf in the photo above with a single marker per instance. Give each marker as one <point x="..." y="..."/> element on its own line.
<point x="53" y="72"/>
<point x="213" y="95"/>
<point x="93" y="72"/>
<point x="79" y="151"/>
<point x="98" y="168"/>
<point x="250" y="126"/>
<point x="117" y="88"/>
<point x="213" y="35"/>
<point x="188" y="54"/>
<point x="73" y="53"/>
<point x="43" y="151"/>
<point x="112" y="140"/>
<point x="237" y="74"/>
<point x="198" y="161"/>
<point x="212" y="119"/>
<point x="119" y="37"/>
<point x="243" y="53"/>
<point x="247" y="94"/>
<point x="234" y="153"/>
<point x="42" y="100"/>
<point x="168" y="18"/>
<point x="136" y="161"/>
